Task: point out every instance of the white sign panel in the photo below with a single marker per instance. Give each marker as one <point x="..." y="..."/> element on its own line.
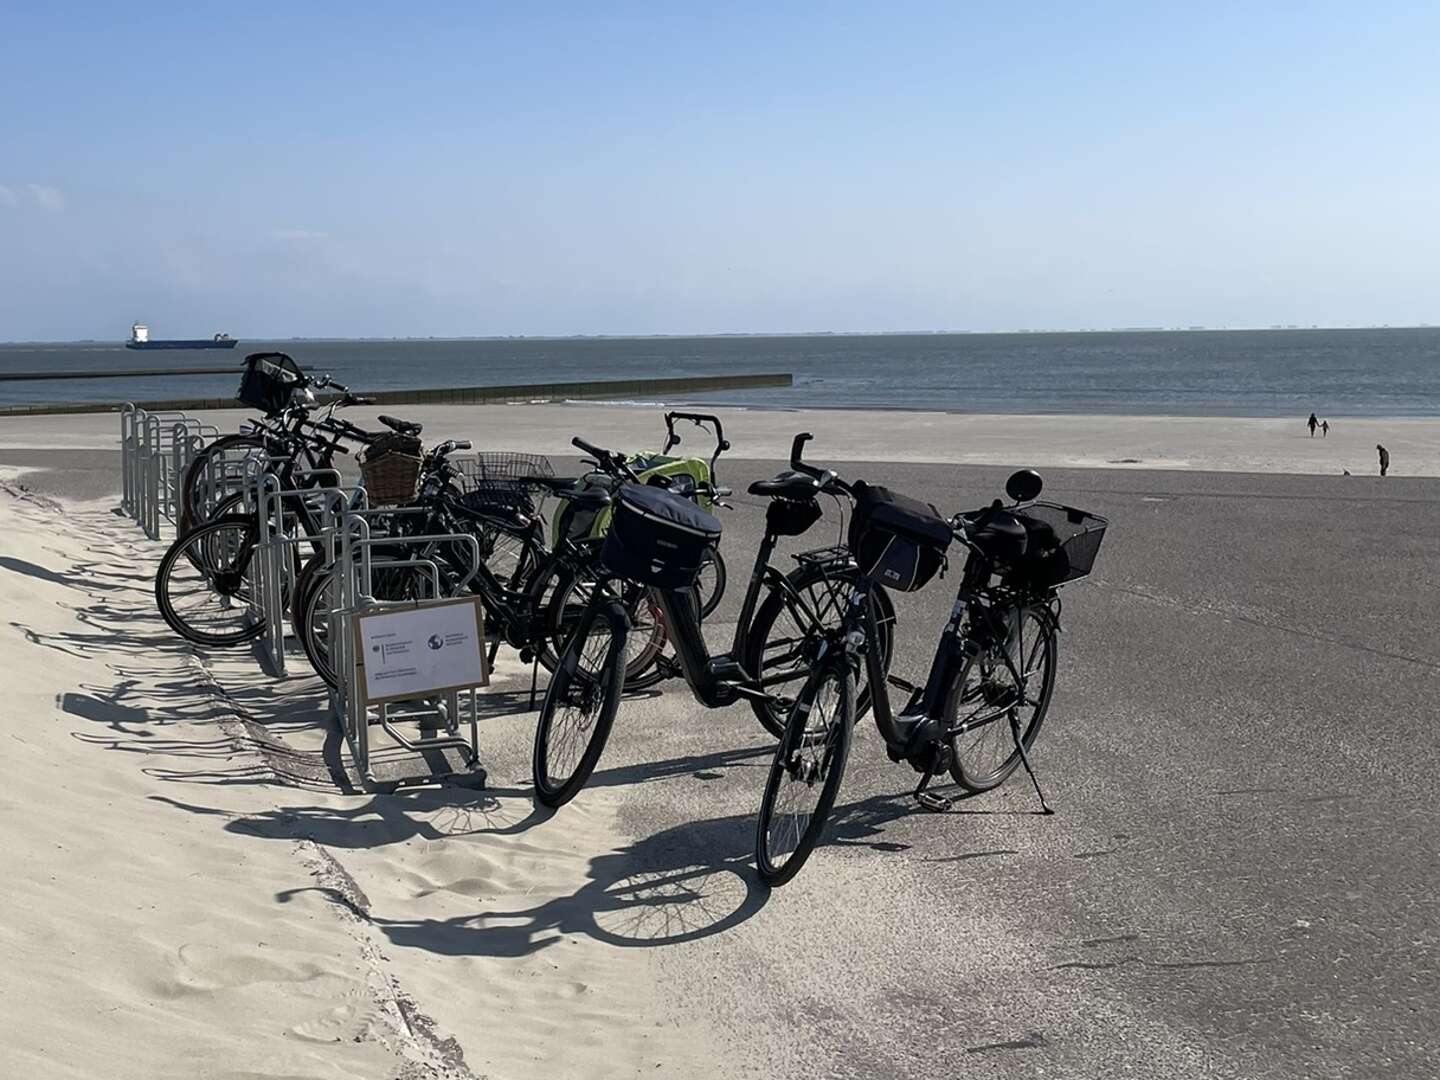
<point x="421" y="651"/>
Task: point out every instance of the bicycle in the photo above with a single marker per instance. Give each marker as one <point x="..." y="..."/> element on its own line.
<point x="659" y="540"/>
<point x="528" y="607"/>
<point x="992" y="675"/>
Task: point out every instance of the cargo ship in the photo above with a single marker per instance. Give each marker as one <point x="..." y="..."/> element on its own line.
<point x="140" y="339"/>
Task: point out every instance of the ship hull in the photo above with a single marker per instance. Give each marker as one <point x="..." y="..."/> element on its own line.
<point x="202" y="344"/>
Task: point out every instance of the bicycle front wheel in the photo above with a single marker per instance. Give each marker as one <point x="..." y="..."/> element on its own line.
<point x="580" y="705"/>
<point x="204" y="584"/>
<point x="994" y="708"/>
<point x="806" y="773"/>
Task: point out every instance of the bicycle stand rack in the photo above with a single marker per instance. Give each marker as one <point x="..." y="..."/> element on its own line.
<point x="450" y="753"/>
<point x="156" y="448"/>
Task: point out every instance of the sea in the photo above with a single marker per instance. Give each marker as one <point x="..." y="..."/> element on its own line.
<point x="1264" y="373"/>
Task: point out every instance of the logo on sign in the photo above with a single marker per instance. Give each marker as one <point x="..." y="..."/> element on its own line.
<point x="435" y="641"/>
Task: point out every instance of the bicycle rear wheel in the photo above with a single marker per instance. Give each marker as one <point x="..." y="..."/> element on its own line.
<point x="985" y="695"/>
<point x="204" y="583"/>
<point x="806" y="773"/>
<point x="579" y="707"/>
<point x="711" y="582"/>
<point x="782" y="638"/>
<point x="570" y="598"/>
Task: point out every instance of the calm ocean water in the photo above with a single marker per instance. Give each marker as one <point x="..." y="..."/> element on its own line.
<point x="1209" y="373"/>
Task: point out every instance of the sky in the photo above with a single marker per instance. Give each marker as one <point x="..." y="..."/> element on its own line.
<point x="366" y="169"/>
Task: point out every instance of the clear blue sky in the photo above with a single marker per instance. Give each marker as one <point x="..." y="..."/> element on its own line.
<point x="361" y="169"/>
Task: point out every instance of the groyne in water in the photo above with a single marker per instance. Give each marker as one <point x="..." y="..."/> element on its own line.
<point x="45" y="376"/>
<point x="462" y="395"/>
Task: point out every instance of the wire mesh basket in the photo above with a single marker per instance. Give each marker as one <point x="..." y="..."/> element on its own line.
<point x="1062" y="543"/>
<point x="503" y="479"/>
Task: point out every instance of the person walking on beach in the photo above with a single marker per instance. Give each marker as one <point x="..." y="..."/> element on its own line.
<point x="1324" y="429"/>
<point x="1312" y="424"/>
<point x="1384" y="459"/>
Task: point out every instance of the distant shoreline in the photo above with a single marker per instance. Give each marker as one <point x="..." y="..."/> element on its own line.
<point x="762" y="335"/>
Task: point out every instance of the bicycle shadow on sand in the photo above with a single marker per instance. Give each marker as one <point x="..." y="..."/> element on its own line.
<point x="685" y="883"/>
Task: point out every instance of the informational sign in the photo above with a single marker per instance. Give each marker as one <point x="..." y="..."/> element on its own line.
<point x="421" y="650"/>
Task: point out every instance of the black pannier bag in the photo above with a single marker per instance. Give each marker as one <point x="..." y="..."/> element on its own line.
<point x="657" y="538"/>
<point x="269" y="381"/>
<point x="898" y="541"/>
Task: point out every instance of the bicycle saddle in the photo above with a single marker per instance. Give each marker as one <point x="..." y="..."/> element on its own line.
<point x="404" y="427"/>
<point x="588" y="498"/>
<point x="997" y="533"/>
<point x="788" y="485"/>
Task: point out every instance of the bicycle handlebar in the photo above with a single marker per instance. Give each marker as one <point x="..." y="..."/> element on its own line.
<point x="825" y="479"/>
<point x="608" y="460"/>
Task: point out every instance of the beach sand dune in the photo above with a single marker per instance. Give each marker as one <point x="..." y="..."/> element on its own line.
<point x="174" y="909"/>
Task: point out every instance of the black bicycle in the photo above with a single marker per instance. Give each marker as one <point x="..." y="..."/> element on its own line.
<point x="991" y="678"/>
<point x="659" y="541"/>
<point x="526" y="592"/>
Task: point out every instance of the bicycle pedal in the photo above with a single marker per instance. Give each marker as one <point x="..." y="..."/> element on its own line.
<point x="936" y="804"/>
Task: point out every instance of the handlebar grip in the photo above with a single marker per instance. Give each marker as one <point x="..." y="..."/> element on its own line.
<point x="461" y="444"/>
<point x="797" y="451"/>
<point x="590" y="448"/>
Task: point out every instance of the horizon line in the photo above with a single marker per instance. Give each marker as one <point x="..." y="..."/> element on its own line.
<point x="1196" y="329"/>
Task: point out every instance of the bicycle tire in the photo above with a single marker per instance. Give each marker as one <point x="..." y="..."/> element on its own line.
<point x="596" y="700"/>
<point x="222" y="553"/>
<point x="710" y="597"/>
<point x="762" y="642"/>
<point x="806" y="754"/>
<point x="191" y="514"/>
<point x="389" y="583"/>
<point x="976" y="763"/>
<point x="644" y="643"/>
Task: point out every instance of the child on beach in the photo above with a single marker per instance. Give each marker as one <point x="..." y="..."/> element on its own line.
<point x="1384" y="459"/>
<point x="1324" y="429"/>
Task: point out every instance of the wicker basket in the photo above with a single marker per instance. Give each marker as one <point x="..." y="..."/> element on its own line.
<point x="390" y="478"/>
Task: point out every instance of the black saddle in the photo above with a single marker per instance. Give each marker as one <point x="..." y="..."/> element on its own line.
<point x="788" y="485"/>
<point x="404" y="427"/>
<point x="588" y="498"/>
<point x="998" y="534"/>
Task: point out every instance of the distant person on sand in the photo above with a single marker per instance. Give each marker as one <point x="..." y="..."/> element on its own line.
<point x="1384" y="459"/>
<point x="1324" y="429"/>
<point x="1312" y="424"/>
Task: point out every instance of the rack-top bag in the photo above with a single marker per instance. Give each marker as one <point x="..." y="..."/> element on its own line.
<point x="898" y="541"/>
<point x="657" y="537"/>
<point x="269" y="381"/>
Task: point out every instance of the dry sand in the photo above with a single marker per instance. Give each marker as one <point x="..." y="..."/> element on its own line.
<point x="176" y="905"/>
<point x="1125" y="442"/>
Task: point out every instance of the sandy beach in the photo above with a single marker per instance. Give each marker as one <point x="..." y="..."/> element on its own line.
<point x="1212" y="444"/>
<point x="1238" y="882"/>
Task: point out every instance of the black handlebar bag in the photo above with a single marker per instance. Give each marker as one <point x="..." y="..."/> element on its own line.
<point x="657" y="537"/>
<point x="269" y="381"/>
<point x="898" y="541"/>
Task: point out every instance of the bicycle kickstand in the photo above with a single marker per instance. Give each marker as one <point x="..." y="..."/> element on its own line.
<point x="534" y="678"/>
<point x="1025" y="758"/>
